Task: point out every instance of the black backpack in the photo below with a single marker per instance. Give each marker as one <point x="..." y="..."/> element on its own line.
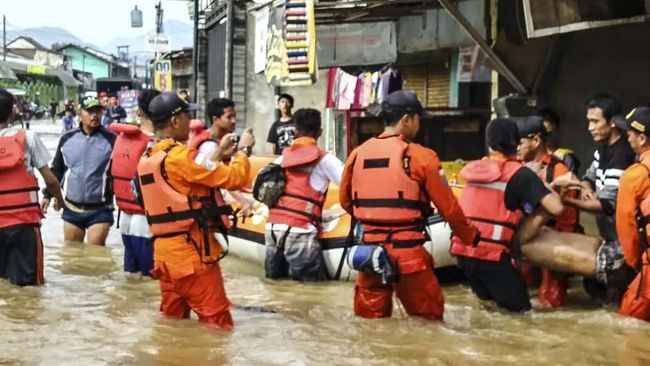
<point x="269" y="184"/>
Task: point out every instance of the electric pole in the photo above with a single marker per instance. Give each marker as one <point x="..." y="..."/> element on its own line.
<point x="4" y="38"/>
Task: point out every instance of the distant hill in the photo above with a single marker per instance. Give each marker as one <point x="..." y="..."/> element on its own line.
<point x="181" y="34"/>
<point x="45" y="35"/>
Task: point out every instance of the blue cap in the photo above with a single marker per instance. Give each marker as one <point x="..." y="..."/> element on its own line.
<point x="405" y="101"/>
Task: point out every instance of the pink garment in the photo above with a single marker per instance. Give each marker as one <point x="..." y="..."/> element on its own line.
<point x="358" y="92"/>
<point x="347" y="87"/>
<point x="366" y="95"/>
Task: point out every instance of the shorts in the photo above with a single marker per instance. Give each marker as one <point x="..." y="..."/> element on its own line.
<point x="21" y="255"/>
<point x="298" y="253"/>
<point x="499" y="281"/>
<point x="84" y="220"/>
<point x="138" y="254"/>
<point x="613" y="275"/>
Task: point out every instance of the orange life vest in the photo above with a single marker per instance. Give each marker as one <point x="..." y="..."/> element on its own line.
<point x="129" y="147"/>
<point x="483" y="203"/>
<point x="170" y="213"/>
<point x="568" y="221"/>
<point x="300" y="204"/>
<point x="18" y="188"/>
<point x="198" y="138"/>
<point x="384" y="197"/>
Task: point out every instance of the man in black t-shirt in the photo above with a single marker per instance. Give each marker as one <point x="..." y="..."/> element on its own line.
<point x="283" y="131"/>
<point x="498" y="191"/>
<point x="599" y="191"/>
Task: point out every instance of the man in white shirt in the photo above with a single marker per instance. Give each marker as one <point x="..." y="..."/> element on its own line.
<point x="22" y="152"/>
<point x="295" y="220"/>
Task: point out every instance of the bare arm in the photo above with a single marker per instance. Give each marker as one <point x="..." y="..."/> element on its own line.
<point x="552" y="203"/>
<point x="591" y="205"/>
<point x="52" y="186"/>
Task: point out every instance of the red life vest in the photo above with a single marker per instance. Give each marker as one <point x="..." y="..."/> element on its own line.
<point x="300" y="205"/>
<point x="385" y="198"/>
<point x="18" y="188"/>
<point x="484" y="205"/>
<point x="198" y="138"/>
<point x="170" y="213"/>
<point x="130" y="145"/>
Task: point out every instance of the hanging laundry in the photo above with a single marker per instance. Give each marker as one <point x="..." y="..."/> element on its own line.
<point x="347" y="87"/>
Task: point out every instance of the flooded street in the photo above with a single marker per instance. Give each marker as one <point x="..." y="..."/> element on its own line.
<point x="89" y="313"/>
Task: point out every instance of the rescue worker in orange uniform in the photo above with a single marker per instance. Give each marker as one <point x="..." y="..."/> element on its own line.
<point x="130" y="145"/>
<point x="294" y="222"/>
<point x="497" y="192"/>
<point x="21" y="246"/>
<point x="633" y="216"/>
<point x="532" y="151"/>
<point x="184" y="209"/>
<point x="563" y="154"/>
<point x="388" y="185"/>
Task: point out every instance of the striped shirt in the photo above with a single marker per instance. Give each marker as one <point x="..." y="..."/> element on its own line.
<point x="604" y="174"/>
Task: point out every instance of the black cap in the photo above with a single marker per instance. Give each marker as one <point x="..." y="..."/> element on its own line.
<point x="639" y="120"/>
<point x="531" y="125"/>
<point x="502" y="135"/>
<point x="406" y="102"/>
<point x="168" y="104"/>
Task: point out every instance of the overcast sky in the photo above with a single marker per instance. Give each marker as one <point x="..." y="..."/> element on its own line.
<point x="94" y="21"/>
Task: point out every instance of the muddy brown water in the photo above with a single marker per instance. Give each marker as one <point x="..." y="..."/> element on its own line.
<point x="89" y="313"/>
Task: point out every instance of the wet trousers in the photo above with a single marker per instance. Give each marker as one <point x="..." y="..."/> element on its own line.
<point x="636" y="300"/>
<point x="552" y="285"/>
<point x="21" y="255"/>
<point x="417" y="289"/>
<point x="202" y="291"/>
<point x="297" y="253"/>
<point x="499" y="281"/>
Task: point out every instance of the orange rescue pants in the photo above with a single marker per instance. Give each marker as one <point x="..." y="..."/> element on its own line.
<point x="203" y="291"/>
<point x="417" y="288"/>
<point x="636" y="300"/>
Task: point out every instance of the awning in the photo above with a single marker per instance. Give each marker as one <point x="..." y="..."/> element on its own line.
<point x="66" y="78"/>
<point x="6" y="72"/>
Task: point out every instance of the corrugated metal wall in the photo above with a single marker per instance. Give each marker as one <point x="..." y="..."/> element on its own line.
<point x="429" y="81"/>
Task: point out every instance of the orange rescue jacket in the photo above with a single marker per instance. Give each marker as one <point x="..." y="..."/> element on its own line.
<point x="129" y="147"/>
<point x="300" y="204"/>
<point x="384" y="197"/>
<point x="483" y="202"/>
<point x="170" y="213"/>
<point x="18" y="188"/>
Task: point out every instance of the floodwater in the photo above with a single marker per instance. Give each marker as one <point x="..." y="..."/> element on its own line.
<point x="89" y="313"/>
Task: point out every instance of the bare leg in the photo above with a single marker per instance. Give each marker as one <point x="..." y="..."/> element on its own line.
<point x="97" y="233"/>
<point x="563" y="252"/>
<point x="72" y="233"/>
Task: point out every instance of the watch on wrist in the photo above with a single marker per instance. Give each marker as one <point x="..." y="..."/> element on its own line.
<point x="248" y="150"/>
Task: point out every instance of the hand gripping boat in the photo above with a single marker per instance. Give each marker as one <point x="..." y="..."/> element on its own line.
<point x="247" y="239"/>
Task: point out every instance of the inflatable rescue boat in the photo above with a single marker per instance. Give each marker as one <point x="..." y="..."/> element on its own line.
<point x="246" y="240"/>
